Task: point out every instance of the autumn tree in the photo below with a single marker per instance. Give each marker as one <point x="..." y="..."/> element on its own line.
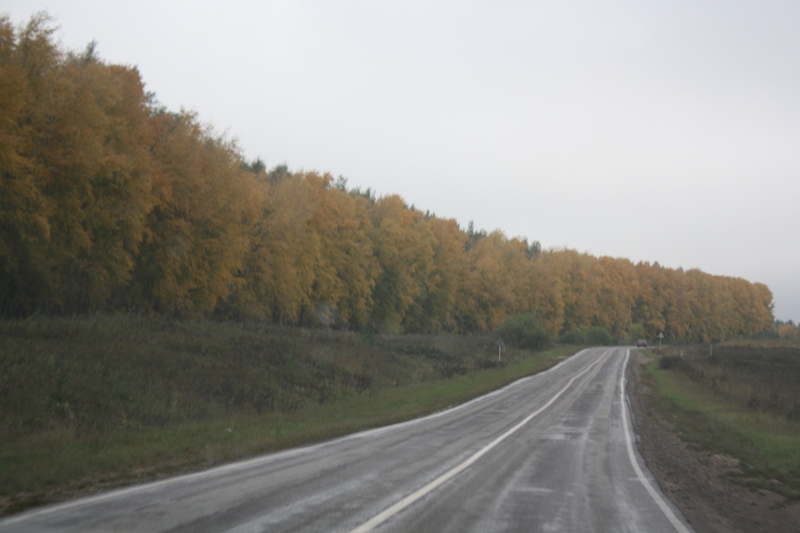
<point x="404" y="251"/>
<point x="434" y="309"/>
<point x="24" y="227"/>
<point x="75" y="174"/>
<point x="494" y="267"/>
<point x="279" y="267"/>
<point x="545" y="291"/>
<point x="310" y="258"/>
<point x="197" y="232"/>
<point x="109" y="200"/>
<point x="347" y="269"/>
<point x="654" y="295"/>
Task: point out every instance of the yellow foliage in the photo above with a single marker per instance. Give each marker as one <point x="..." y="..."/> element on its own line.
<point x="788" y="331"/>
<point x="107" y="200"/>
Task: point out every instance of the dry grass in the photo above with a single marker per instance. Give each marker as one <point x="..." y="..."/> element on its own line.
<point x="90" y="403"/>
<point x="740" y="399"/>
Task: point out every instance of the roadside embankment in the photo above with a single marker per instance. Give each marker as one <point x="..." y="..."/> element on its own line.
<point x="97" y="402"/>
<point x="731" y="467"/>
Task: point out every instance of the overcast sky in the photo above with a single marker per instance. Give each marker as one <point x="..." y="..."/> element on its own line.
<point x="663" y="131"/>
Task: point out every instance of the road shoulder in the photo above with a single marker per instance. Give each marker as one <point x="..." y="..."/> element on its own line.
<point x="699" y="483"/>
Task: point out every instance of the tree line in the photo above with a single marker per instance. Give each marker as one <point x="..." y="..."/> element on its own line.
<point x="109" y="201"/>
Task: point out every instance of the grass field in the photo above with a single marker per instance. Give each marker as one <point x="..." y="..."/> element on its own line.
<point x="92" y="403"/>
<point x="741" y="399"/>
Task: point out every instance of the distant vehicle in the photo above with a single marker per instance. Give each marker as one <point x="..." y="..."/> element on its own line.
<point x="641" y="343"/>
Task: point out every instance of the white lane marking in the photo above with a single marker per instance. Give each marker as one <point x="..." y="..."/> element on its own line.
<point x="419" y="493"/>
<point x="677" y="524"/>
<point x="249" y="464"/>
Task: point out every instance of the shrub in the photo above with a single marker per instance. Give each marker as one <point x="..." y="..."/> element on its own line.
<point x="524" y="331"/>
<point x="574" y="336"/>
<point x="598" y="336"/>
<point x="669" y="362"/>
<point x="636" y="332"/>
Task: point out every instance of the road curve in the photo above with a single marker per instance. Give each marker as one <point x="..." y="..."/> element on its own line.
<point x="552" y="452"/>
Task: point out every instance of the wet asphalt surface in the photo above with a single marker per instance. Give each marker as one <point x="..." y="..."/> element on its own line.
<point x="547" y="453"/>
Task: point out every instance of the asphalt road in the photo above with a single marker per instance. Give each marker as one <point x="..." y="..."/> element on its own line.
<point x="553" y="452"/>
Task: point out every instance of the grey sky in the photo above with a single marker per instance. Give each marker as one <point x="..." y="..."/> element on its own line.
<point x="658" y="131"/>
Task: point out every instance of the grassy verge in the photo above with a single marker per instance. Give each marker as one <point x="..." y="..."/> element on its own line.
<point x="93" y="403"/>
<point x="715" y="406"/>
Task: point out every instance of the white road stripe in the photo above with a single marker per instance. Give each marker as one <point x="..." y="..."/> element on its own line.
<point x="416" y="495"/>
<point x="677" y="524"/>
<point x="247" y="464"/>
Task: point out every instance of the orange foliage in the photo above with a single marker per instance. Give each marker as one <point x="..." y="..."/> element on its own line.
<point x="107" y="201"/>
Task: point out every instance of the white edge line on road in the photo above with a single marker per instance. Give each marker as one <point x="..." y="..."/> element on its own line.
<point x="419" y="493"/>
<point x="252" y="462"/>
<point x="647" y="485"/>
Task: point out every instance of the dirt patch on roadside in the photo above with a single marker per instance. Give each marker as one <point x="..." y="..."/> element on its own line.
<point x="700" y="483"/>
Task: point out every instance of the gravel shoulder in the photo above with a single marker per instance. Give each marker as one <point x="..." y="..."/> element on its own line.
<point x="698" y="482"/>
